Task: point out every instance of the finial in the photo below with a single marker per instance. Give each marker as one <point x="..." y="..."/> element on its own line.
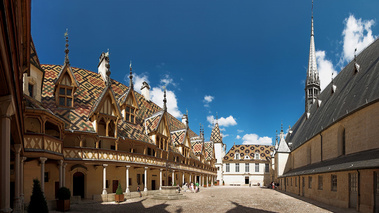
<point x="312" y="20"/>
<point x="276" y="135"/>
<point x="164" y="99"/>
<point x="66" y="60"/>
<point x="130" y="75"/>
<point x="187" y="112"/>
<point x="216" y="117"/>
<point x="281" y="128"/>
<point x="355" y="54"/>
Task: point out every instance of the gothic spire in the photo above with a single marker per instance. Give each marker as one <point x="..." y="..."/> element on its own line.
<point x="66" y="60"/>
<point x="164" y="99"/>
<point x="312" y="85"/>
<point x="130" y="76"/>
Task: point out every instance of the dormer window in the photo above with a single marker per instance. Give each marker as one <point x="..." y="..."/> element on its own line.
<point x="31" y="88"/>
<point x="65" y="96"/>
<point x="130" y="114"/>
<point x="237" y="156"/>
<point x="256" y="156"/>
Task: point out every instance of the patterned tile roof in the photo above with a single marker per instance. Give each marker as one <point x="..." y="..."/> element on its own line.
<point x="197" y="146"/>
<point x="208" y="148"/>
<point x="178" y="136"/>
<point x="216" y="135"/>
<point x="91" y="87"/>
<point x="152" y="123"/>
<point x="249" y="150"/>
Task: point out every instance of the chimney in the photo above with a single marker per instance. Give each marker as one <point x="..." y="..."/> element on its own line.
<point x="103" y="66"/>
<point x="145" y="90"/>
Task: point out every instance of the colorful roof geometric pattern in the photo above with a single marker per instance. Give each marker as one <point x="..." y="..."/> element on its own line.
<point x="152" y="123"/>
<point x="178" y="136"/>
<point x="85" y="97"/>
<point x="216" y="135"/>
<point x="249" y="150"/>
<point x="208" y="149"/>
<point x="197" y="146"/>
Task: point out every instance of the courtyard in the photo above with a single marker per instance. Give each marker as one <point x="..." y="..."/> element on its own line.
<point x="215" y="199"/>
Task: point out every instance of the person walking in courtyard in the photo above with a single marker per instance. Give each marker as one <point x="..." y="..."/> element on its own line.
<point x="139" y="191"/>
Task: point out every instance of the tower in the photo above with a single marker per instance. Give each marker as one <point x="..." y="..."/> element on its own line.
<point x="219" y="149"/>
<point x="312" y="84"/>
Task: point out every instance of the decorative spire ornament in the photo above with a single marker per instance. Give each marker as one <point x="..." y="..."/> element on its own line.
<point x="164" y="99"/>
<point x="66" y="59"/>
<point x="312" y="84"/>
<point x="130" y="75"/>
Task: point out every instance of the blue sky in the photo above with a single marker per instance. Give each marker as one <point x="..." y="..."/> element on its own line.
<point x="244" y="60"/>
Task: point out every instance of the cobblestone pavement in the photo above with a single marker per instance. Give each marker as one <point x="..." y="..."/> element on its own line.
<point x="215" y="199"/>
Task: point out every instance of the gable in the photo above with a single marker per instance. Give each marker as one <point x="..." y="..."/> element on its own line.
<point x="108" y="107"/>
<point x="106" y="104"/>
<point x="66" y="77"/>
<point x="163" y="127"/>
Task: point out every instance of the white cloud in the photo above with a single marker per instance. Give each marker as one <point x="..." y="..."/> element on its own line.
<point x="167" y="80"/>
<point x="224" y="135"/>
<point x="325" y="69"/>
<point x="357" y="34"/>
<point x="222" y="129"/>
<point x="208" y="98"/>
<point x="228" y="121"/>
<point x="156" y="94"/>
<point x="238" y="137"/>
<point x="240" y="131"/>
<point x="255" y="139"/>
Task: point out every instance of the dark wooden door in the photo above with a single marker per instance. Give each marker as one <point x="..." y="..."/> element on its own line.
<point x="303" y="186"/>
<point x="152" y="184"/>
<point x="78" y="184"/>
<point x="114" y="186"/>
<point x="353" y="190"/>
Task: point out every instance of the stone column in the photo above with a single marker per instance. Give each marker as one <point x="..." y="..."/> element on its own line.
<point x="160" y="179"/>
<point x="64" y="174"/>
<point x="183" y="178"/>
<point x="145" y="189"/>
<point x="22" y="180"/>
<point x="212" y="180"/>
<point x="207" y="180"/>
<point x="104" y="179"/>
<point x="190" y="178"/>
<point x="6" y="111"/>
<point x="127" y="179"/>
<point x="17" y="200"/>
<point x="43" y="159"/>
<point x="173" y="177"/>
<point x="60" y="173"/>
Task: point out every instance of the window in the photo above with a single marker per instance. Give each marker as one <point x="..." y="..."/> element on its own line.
<point x="334" y="183"/>
<point x="31" y="88"/>
<point x="247" y="167"/>
<point x="237" y="156"/>
<point x="309" y="182"/>
<point x="256" y="156"/>
<point x="65" y="96"/>
<point x="130" y="181"/>
<point x="237" y="167"/>
<point x="227" y="167"/>
<point x="320" y="182"/>
<point x="267" y="167"/>
<point x="130" y="114"/>
<point x="256" y="167"/>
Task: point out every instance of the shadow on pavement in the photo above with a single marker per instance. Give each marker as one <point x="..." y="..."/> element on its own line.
<point x="239" y="208"/>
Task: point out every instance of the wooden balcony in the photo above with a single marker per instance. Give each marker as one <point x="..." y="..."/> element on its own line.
<point x="93" y="154"/>
<point x="42" y="143"/>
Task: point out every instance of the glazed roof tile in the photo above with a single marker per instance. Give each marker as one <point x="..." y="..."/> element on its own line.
<point x="86" y="96"/>
<point x="249" y="150"/>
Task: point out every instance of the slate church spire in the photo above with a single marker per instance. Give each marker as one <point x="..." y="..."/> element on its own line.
<point x="312" y="84"/>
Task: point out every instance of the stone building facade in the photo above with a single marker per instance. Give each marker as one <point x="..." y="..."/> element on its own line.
<point x="331" y="154"/>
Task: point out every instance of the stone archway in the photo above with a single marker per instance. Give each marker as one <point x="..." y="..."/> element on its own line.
<point x="78" y="184"/>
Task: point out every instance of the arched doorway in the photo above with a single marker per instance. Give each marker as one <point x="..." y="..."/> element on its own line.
<point x="78" y="184"/>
